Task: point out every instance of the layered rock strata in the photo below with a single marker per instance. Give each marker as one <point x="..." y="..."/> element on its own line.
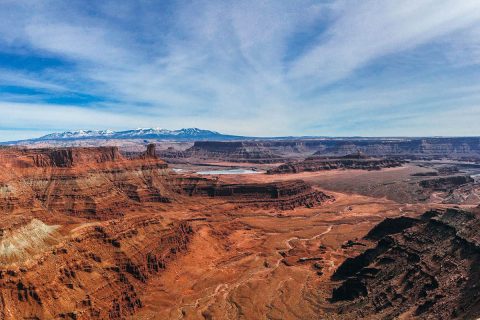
<point x="348" y="162"/>
<point x="84" y="231"/>
<point x="98" y="183"/>
<point x="446" y="183"/>
<point x="237" y="151"/>
<point x="282" y="195"/>
<point x="467" y="148"/>
<point x="425" y="268"/>
<point x="83" y="182"/>
<point x="94" y="272"/>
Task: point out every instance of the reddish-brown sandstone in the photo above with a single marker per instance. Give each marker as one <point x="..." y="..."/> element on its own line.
<point x="84" y="230"/>
<point x="89" y="233"/>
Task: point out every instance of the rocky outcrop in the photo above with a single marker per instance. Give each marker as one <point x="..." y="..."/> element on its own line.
<point x="390" y="226"/>
<point x="282" y="195"/>
<point x="150" y="153"/>
<point x="346" y="162"/>
<point x="95" y="183"/>
<point x="69" y="157"/>
<point x="103" y="187"/>
<point x="21" y="238"/>
<point x="448" y="170"/>
<point x="232" y="151"/>
<point x="409" y="147"/>
<point x="96" y="272"/>
<point x="428" y="148"/>
<point x="446" y="183"/>
<point x="426" y="268"/>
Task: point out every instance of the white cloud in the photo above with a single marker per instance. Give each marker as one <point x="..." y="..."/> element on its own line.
<point x="75" y="42"/>
<point x="28" y="80"/>
<point x="373" y="29"/>
<point x="228" y="65"/>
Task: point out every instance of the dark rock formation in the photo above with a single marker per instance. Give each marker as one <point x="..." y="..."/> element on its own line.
<point x="448" y="170"/>
<point x="282" y="195"/>
<point x="348" y="162"/>
<point x="446" y="183"/>
<point x="150" y="153"/>
<point x="425" y="174"/>
<point x="390" y="226"/>
<point x="233" y="151"/>
<point x="428" y="268"/>
<point x="357" y="155"/>
<point x="409" y="147"/>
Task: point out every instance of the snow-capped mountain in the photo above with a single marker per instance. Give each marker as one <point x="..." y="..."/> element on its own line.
<point x="141" y="133"/>
<point x="82" y="134"/>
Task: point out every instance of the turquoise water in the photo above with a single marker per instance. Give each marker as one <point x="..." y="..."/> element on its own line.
<point x="230" y="171"/>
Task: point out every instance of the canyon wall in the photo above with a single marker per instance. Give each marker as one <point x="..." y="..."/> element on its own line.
<point x="94" y="272"/>
<point x="96" y="183"/>
<point x="426" y="268"/>
<point x="271" y="151"/>
<point x="236" y="151"/>
<point x="284" y="195"/>
<point x="446" y="183"/>
<point x="321" y="164"/>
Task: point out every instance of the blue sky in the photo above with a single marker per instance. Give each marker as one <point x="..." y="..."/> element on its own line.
<point x="336" y="68"/>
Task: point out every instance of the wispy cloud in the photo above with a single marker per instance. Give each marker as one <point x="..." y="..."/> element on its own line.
<point x="244" y="67"/>
<point x="377" y="28"/>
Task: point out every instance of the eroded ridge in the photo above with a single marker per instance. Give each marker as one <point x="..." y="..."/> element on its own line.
<point x="95" y="183"/>
<point x="426" y="268"/>
<point x="352" y="161"/>
<point x="21" y="239"/>
<point x="284" y="195"/>
<point x="96" y="271"/>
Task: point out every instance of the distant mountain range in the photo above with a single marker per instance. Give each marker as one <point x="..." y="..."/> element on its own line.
<point x="107" y="137"/>
<point x="186" y="134"/>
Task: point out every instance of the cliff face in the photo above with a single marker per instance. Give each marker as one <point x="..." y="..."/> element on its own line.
<point x="281" y="195"/>
<point x="100" y="184"/>
<point x="420" y="147"/>
<point x="270" y="151"/>
<point x="95" y="183"/>
<point x="426" y="268"/>
<point x="96" y="272"/>
<point x="447" y="183"/>
<point x="69" y="157"/>
<point x="70" y="268"/>
<point x="320" y="164"/>
<point x="232" y="151"/>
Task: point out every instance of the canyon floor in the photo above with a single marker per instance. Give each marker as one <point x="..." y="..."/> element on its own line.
<point x="269" y="264"/>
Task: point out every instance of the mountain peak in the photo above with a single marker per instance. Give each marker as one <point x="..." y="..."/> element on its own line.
<point x="140" y="133"/>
